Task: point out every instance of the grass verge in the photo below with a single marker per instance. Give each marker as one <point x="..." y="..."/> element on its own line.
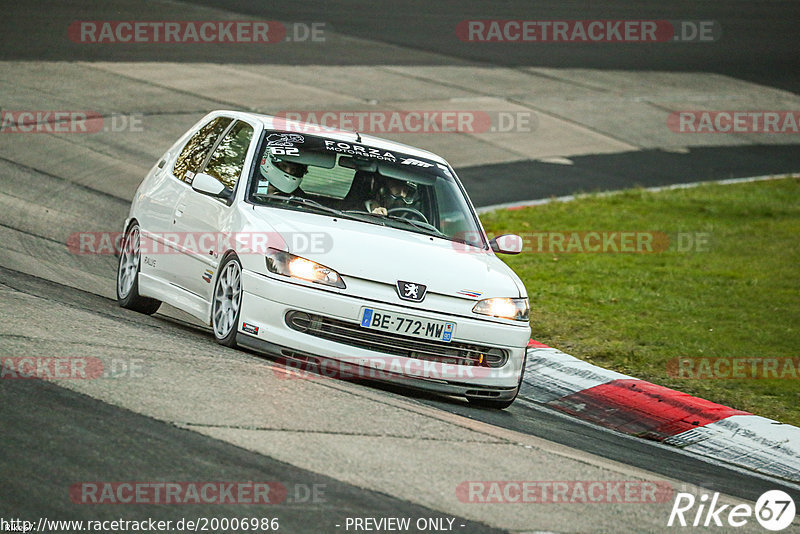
<point x="726" y="286"/>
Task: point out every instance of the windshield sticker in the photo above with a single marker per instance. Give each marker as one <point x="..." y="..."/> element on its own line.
<point x="416" y="162"/>
<point x="359" y="150"/>
<point x="284" y="139"/>
<point x="297" y="145"/>
<point x="282" y="151"/>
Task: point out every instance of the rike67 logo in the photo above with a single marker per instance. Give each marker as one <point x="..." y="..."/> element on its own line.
<point x="774" y="510"/>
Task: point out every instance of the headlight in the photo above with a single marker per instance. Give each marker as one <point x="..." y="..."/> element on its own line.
<point x="517" y="309"/>
<point x="280" y="262"/>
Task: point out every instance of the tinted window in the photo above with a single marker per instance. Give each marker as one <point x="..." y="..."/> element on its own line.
<point x="194" y="153"/>
<point x="227" y="161"/>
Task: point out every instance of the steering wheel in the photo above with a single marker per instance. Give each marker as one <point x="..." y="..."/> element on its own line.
<point x="413" y="214"/>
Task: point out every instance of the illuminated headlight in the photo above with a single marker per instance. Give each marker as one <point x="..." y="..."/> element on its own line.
<point x="517" y="309"/>
<point x="283" y="263"/>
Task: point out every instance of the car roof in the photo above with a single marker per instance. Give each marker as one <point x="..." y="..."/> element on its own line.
<point x="271" y="122"/>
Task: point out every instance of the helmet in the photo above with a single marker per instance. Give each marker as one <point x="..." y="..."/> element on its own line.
<point x="275" y="171"/>
<point x="398" y="193"/>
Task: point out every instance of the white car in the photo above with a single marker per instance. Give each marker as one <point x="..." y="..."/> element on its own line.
<point x="328" y="247"/>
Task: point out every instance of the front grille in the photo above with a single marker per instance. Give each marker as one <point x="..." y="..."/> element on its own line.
<point x="355" y="335"/>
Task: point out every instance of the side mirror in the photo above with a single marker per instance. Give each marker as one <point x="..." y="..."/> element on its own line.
<point x="207" y="184"/>
<point x="507" y="244"/>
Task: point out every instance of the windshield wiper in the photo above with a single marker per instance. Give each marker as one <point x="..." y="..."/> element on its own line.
<point x="294" y="199"/>
<point x="358" y="215"/>
<point x="429" y="228"/>
<point x="417" y="224"/>
<point x="349" y="214"/>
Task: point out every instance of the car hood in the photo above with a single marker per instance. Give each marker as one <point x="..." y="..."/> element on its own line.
<point x="385" y="254"/>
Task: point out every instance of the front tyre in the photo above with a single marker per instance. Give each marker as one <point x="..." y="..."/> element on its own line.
<point x="128" y="275"/>
<point x="482" y="402"/>
<point x="227" y="301"/>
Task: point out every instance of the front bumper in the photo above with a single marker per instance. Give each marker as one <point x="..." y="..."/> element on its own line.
<point x="266" y="301"/>
<point x="307" y="361"/>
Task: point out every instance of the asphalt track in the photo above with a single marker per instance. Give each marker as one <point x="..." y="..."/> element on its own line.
<point x="134" y="447"/>
<point x="177" y="423"/>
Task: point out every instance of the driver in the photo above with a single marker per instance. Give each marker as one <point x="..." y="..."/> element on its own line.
<point x="394" y="194"/>
<point x="281" y="176"/>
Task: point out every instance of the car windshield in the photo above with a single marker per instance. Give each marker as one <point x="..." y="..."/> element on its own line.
<point x="356" y="181"/>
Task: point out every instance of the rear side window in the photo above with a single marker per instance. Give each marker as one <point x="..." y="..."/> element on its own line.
<point x="227" y="161"/>
<point x="197" y="148"/>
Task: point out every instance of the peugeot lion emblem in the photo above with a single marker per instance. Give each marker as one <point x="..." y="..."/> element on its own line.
<point x="411" y="291"/>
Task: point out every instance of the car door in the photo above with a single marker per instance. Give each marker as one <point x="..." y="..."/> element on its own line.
<point x="161" y="244"/>
<point x="204" y="220"/>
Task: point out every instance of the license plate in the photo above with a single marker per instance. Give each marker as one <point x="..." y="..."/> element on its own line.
<point x="407" y="325"/>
